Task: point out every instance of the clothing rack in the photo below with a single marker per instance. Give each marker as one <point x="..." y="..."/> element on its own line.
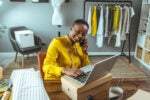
<point x="113" y="2"/>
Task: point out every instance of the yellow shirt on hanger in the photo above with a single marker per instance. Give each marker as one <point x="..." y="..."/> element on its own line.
<point x="62" y="54"/>
<point x="94" y="21"/>
<point x="116" y="18"/>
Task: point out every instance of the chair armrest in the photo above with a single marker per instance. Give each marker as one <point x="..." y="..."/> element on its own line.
<point x="37" y="41"/>
<point x="15" y="44"/>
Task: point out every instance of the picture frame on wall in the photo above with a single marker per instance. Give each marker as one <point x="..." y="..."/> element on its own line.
<point x="38" y="1"/>
<point x="18" y="0"/>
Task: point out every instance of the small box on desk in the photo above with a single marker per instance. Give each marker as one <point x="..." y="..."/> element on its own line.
<point x="98" y="89"/>
<point x="24" y="38"/>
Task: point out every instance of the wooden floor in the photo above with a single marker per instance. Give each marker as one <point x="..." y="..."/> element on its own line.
<point x="130" y="86"/>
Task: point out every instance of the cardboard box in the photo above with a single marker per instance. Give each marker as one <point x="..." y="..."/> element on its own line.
<point x="99" y="89"/>
<point x="24" y="38"/>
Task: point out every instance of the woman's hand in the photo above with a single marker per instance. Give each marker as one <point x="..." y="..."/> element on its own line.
<point x="85" y="46"/>
<point x="72" y="71"/>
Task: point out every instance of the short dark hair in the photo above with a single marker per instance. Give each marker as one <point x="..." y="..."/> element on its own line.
<point x="80" y="21"/>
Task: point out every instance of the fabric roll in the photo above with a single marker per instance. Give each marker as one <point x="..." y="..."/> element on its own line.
<point x="100" y="29"/>
<point x="94" y="21"/>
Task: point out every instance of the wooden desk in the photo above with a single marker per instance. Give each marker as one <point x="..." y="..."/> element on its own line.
<point x="54" y="90"/>
<point x="99" y="89"/>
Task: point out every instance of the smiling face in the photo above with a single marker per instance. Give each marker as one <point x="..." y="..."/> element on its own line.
<point x="78" y="32"/>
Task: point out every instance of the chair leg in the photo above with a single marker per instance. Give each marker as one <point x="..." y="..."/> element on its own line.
<point x="16" y="57"/>
<point x="22" y="61"/>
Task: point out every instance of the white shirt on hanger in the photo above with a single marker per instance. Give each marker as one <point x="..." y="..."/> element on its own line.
<point x="89" y="19"/>
<point x="100" y="29"/>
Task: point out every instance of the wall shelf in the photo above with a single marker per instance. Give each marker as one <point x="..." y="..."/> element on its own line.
<point x="142" y="52"/>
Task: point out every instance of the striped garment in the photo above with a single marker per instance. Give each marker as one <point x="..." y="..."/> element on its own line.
<point x="28" y="85"/>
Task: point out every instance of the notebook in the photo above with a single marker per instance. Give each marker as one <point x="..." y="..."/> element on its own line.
<point x="96" y="71"/>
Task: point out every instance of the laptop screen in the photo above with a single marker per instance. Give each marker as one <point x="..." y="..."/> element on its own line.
<point x="102" y="68"/>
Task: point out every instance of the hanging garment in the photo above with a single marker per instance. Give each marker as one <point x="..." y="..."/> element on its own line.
<point x="94" y="21"/>
<point x="98" y="13"/>
<point x="89" y="19"/>
<point x="125" y="22"/>
<point x="110" y="25"/>
<point x="106" y="21"/>
<point x="110" y="17"/>
<point x="128" y="13"/>
<point x="116" y="19"/>
<point x="131" y="14"/>
<point x="118" y="40"/>
<point x="100" y="29"/>
<point x="124" y="25"/>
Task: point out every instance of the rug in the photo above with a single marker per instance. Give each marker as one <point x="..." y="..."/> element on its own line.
<point x="121" y="70"/>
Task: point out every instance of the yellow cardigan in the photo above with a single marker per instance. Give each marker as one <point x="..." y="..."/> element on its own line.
<point x="61" y="54"/>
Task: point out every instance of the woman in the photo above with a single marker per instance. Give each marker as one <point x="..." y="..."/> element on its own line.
<point x="65" y="55"/>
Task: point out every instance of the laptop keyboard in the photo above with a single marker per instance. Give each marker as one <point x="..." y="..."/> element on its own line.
<point x="82" y="78"/>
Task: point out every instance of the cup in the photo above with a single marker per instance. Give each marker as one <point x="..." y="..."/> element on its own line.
<point x="115" y="93"/>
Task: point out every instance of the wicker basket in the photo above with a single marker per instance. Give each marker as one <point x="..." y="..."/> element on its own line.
<point x="139" y="52"/>
<point x="147" y="42"/>
<point x="147" y="57"/>
<point x="1" y="73"/>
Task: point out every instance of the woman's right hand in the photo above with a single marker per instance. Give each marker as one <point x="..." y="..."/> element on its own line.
<point x="85" y="46"/>
<point x="72" y="71"/>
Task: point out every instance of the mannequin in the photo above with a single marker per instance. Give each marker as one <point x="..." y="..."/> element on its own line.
<point x="57" y="17"/>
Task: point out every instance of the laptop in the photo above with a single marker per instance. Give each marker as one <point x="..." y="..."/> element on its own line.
<point x="96" y="71"/>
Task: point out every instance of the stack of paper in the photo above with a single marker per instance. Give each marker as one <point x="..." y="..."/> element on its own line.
<point x="28" y="85"/>
<point x="140" y="95"/>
